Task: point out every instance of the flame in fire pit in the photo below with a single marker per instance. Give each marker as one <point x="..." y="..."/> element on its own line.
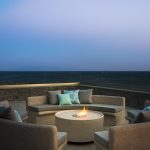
<point x="82" y="113"/>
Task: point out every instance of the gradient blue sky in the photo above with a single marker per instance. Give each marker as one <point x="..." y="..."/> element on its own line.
<point x="88" y="35"/>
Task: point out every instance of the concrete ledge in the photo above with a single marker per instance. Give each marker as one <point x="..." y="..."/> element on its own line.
<point x="39" y="85"/>
<point x="116" y="89"/>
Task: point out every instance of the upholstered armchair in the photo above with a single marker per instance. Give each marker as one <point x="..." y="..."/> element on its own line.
<point x="25" y="136"/>
<point x="125" y="137"/>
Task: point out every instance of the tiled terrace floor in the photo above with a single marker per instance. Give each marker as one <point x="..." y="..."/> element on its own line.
<point x="20" y="107"/>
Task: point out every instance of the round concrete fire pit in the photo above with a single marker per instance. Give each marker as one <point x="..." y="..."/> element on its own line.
<point x="79" y="128"/>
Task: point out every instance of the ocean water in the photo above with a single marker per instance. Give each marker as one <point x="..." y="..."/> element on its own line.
<point x="115" y="79"/>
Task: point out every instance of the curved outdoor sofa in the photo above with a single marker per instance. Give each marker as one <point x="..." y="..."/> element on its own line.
<point x="41" y="112"/>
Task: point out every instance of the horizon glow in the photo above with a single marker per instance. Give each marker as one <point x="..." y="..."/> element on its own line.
<point x="66" y="35"/>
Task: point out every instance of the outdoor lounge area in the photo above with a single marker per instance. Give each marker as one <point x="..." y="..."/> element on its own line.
<point x="103" y="123"/>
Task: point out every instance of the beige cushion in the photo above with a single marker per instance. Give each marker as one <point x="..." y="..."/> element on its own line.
<point x="96" y="107"/>
<point x="52" y="97"/>
<point x="85" y="96"/>
<point x="105" y="108"/>
<point x="46" y="107"/>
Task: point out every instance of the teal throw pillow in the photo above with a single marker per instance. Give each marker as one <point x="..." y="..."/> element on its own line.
<point x="74" y="95"/>
<point x="64" y="99"/>
<point x="147" y="108"/>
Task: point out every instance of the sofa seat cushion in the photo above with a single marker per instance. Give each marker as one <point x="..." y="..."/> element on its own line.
<point x="133" y="113"/>
<point x="62" y="137"/>
<point x="105" y="108"/>
<point x="46" y="107"/>
<point x="102" y="138"/>
<point x="95" y="107"/>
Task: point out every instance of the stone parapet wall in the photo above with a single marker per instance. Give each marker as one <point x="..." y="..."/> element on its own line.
<point x="20" y="93"/>
<point x="134" y="99"/>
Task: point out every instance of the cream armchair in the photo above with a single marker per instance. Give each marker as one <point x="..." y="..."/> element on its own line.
<point x="125" y="137"/>
<point x="25" y="136"/>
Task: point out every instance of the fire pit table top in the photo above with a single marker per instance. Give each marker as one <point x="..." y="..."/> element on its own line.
<point x="73" y="115"/>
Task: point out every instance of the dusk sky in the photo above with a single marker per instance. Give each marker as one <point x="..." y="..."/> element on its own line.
<point x="75" y="35"/>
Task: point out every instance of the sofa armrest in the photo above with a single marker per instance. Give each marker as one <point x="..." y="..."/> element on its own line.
<point x="21" y="136"/>
<point x="110" y="100"/>
<point x="130" y="137"/>
<point x="36" y="100"/>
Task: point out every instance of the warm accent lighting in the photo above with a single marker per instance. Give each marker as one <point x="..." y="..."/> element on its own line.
<point x="82" y="113"/>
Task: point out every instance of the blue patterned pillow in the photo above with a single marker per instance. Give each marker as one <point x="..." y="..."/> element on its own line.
<point x="64" y="99"/>
<point x="74" y="95"/>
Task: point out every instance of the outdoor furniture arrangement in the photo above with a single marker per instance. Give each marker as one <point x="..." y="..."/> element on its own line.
<point x="124" y="137"/>
<point x="79" y="125"/>
<point x="40" y="111"/>
<point x="46" y="118"/>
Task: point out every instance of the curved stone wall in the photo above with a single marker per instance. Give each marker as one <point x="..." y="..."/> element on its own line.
<point x="134" y="99"/>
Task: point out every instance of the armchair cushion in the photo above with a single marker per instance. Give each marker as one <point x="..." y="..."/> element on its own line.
<point x="143" y="116"/>
<point x="62" y="137"/>
<point x="102" y="138"/>
<point x="133" y="113"/>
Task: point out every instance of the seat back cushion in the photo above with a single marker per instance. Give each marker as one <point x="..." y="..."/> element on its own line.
<point x="85" y="96"/>
<point x="53" y="98"/>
